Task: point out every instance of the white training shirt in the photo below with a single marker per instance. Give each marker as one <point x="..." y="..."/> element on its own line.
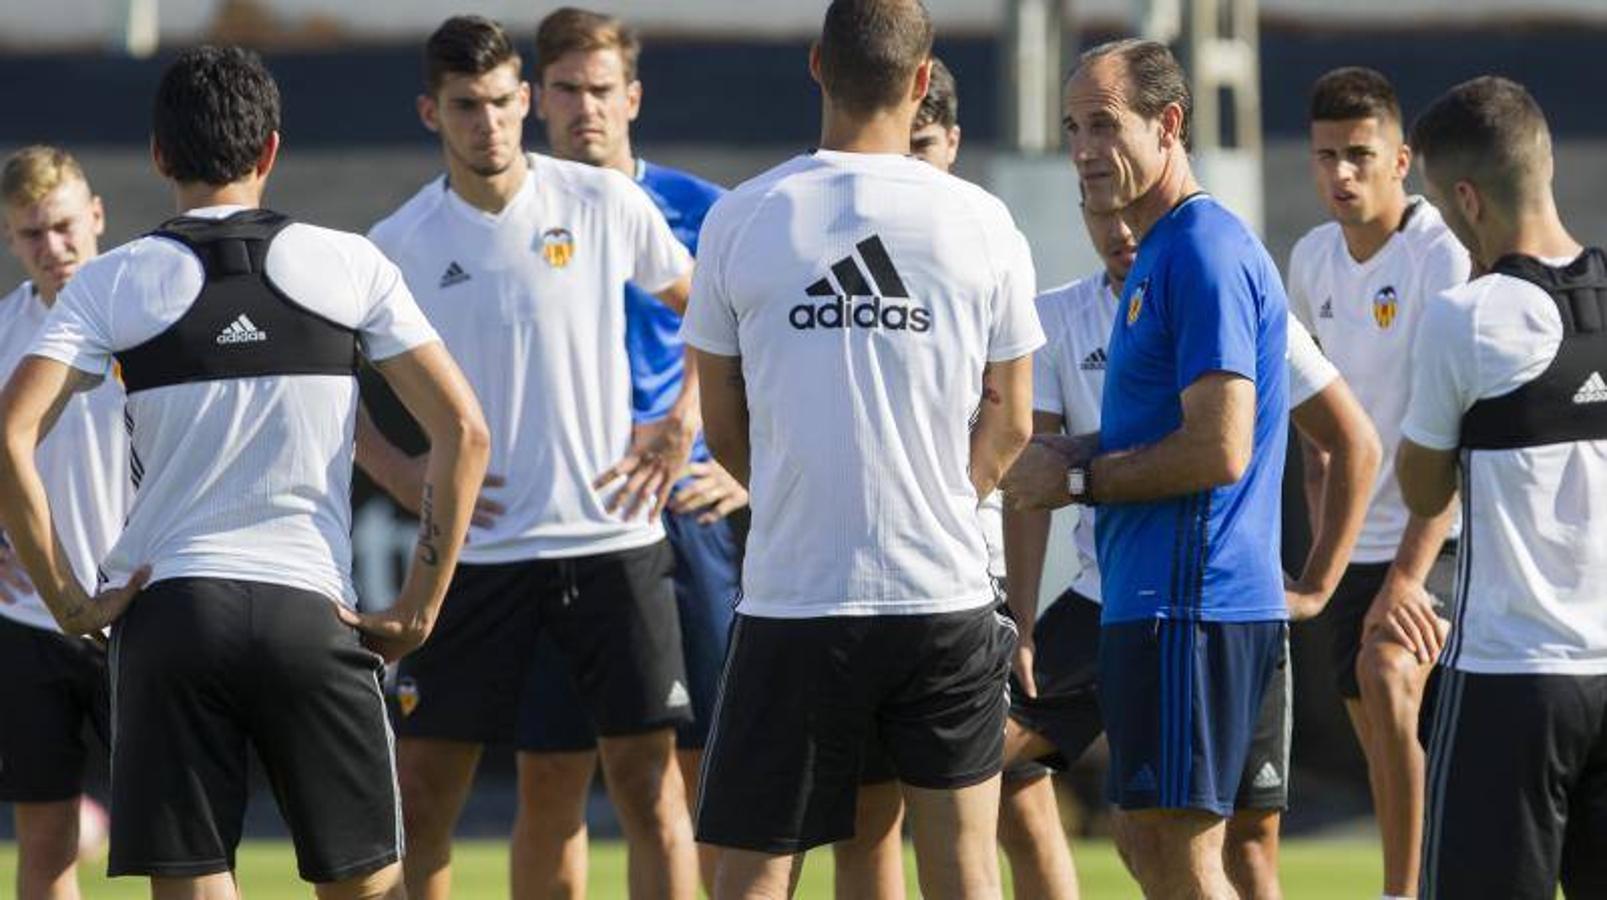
<point x="531" y="303"/>
<point x="83" y="461"/>
<point x="1068" y="380"/>
<point x="1531" y="592"/>
<point x="1365" y="316"/>
<point x="862" y="504"/>
<point x="250" y="478"/>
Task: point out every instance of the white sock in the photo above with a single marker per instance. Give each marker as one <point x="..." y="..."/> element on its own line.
<point x="1394" y="897"/>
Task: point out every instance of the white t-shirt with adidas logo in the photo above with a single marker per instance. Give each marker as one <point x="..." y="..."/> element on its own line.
<point x="1365" y="316"/>
<point x="83" y="461"/>
<point x="250" y="478"/>
<point x="1533" y="572"/>
<point x="1068" y="380"/>
<point x="865" y="293"/>
<point x="531" y="303"/>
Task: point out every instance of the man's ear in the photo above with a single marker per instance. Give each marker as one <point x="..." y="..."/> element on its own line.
<point x="429" y="112"/>
<point x="1468" y="200"/>
<point x="1172" y="124"/>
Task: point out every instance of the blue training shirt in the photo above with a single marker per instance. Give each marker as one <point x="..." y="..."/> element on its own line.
<point x="1203" y="296"/>
<point x="653" y="330"/>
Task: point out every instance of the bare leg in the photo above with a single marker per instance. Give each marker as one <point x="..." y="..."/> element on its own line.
<point x="1392" y="684"/>
<point x="956" y="834"/>
<point x="645" y="785"/>
<point x="1250" y="853"/>
<point x="870" y="865"/>
<point x="47" y="850"/>
<point x="206" y="887"/>
<point x="549" y="831"/>
<point x="749" y="875"/>
<point x="435" y="777"/>
<point x="1035" y="842"/>
<point x="1175" y="854"/>
<point x="386" y="884"/>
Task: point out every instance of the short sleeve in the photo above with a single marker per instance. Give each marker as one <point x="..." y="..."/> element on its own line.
<point x="392" y="323"/>
<point x="1445" y="266"/>
<point x="659" y="259"/>
<point x="1444" y="375"/>
<point x="1295" y="285"/>
<point x="1309" y="370"/>
<point x="711" y="319"/>
<point x="1212" y="305"/>
<point x="1014" y="331"/>
<point x="78" y="331"/>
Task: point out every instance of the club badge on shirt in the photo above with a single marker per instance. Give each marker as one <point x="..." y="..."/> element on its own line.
<point x="407" y="696"/>
<point x="1384" y="306"/>
<point x="557" y="247"/>
<point x="1135" y="305"/>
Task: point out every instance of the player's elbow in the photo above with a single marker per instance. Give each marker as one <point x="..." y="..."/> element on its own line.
<point x="467" y="433"/>
<point x="1225" y="462"/>
<point x="1364" y="453"/>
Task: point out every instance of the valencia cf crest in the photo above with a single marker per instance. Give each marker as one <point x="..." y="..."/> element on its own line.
<point x="1135" y="304"/>
<point x="557" y="247"/>
<point x="1384" y="307"/>
<point x="407" y="696"/>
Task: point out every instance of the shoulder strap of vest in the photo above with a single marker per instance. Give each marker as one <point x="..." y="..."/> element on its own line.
<point x="1579" y="288"/>
<point x="231" y="246"/>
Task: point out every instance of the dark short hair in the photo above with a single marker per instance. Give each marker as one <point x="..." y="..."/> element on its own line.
<point x="941" y="105"/>
<point x="466" y="45"/>
<point x="568" y="29"/>
<point x="870" y="49"/>
<point x="1155" y="80"/>
<point x="1354" y="92"/>
<point x="1489" y="131"/>
<point x="215" y="110"/>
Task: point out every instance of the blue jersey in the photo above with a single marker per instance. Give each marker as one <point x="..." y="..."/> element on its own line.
<point x="653" y="330"/>
<point x="1203" y="296"/>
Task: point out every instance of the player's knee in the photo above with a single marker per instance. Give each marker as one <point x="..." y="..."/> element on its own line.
<point x="386" y="884"/>
<point x="639" y="769"/>
<point x="47" y="838"/>
<point x="555" y="780"/>
<point x="1387" y="671"/>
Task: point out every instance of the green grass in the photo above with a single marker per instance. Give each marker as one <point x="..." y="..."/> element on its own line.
<point x="1312" y="870"/>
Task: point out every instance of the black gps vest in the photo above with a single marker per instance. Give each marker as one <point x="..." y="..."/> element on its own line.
<point x="242" y="325"/>
<point x="1568" y="401"/>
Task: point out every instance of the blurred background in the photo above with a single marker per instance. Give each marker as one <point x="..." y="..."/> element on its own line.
<point x="727" y="94"/>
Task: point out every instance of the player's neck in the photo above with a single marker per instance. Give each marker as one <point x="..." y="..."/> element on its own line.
<point x="247" y="193"/>
<point x="1538" y="233"/>
<point x="1174" y="186"/>
<point x="45" y="295"/>
<point x="1363" y="241"/>
<point x="488" y="193"/>
<point x="887" y="131"/>
<point x="623" y="161"/>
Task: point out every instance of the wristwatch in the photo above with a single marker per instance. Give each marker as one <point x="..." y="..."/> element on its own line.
<point x="1080" y="484"/>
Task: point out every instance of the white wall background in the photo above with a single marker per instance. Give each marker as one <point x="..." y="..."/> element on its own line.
<point x="43" y="22"/>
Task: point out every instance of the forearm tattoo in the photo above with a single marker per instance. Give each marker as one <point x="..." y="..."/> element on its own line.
<point x="428" y="531"/>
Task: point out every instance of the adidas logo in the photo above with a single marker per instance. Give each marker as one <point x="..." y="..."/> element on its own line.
<point x="678" y="696"/>
<point x="1143" y="781"/>
<point x="241" y="331"/>
<point x="1327" y="311"/>
<point x="1267" y="777"/>
<point x="1594" y="390"/>
<point x="873" y="287"/>
<point x="1095" y="361"/>
<point x="454" y="274"/>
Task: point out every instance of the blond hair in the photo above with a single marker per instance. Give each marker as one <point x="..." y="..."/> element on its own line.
<point x="33" y="172"/>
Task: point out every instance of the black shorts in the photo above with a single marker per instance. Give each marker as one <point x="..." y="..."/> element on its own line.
<point x="203" y="669"/>
<point x="1516" y="787"/>
<point x="53" y="712"/>
<point x="1347" y="610"/>
<point x="799" y="697"/>
<point x="1066" y="710"/>
<point x="614" y="638"/>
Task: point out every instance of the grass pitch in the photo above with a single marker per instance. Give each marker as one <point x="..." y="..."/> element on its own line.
<point x="1312" y="870"/>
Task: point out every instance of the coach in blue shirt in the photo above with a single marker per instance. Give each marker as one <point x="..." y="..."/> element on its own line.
<point x="1186" y="473"/>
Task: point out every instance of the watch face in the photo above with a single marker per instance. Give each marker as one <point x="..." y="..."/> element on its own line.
<point x="1077" y="482"/>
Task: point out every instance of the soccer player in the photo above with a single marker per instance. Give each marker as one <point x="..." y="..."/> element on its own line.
<point x="1508" y="398"/>
<point x="1185" y="469"/>
<point x="520" y="261"/>
<point x="52" y="685"/>
<point x="1054" y="714"/>
<point x="850" y="308"/>
<point x="237" y="333"/>
<point x="587" y="95"/>
<point x="871" y="864"/>
<point x="1361" y="284"/>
